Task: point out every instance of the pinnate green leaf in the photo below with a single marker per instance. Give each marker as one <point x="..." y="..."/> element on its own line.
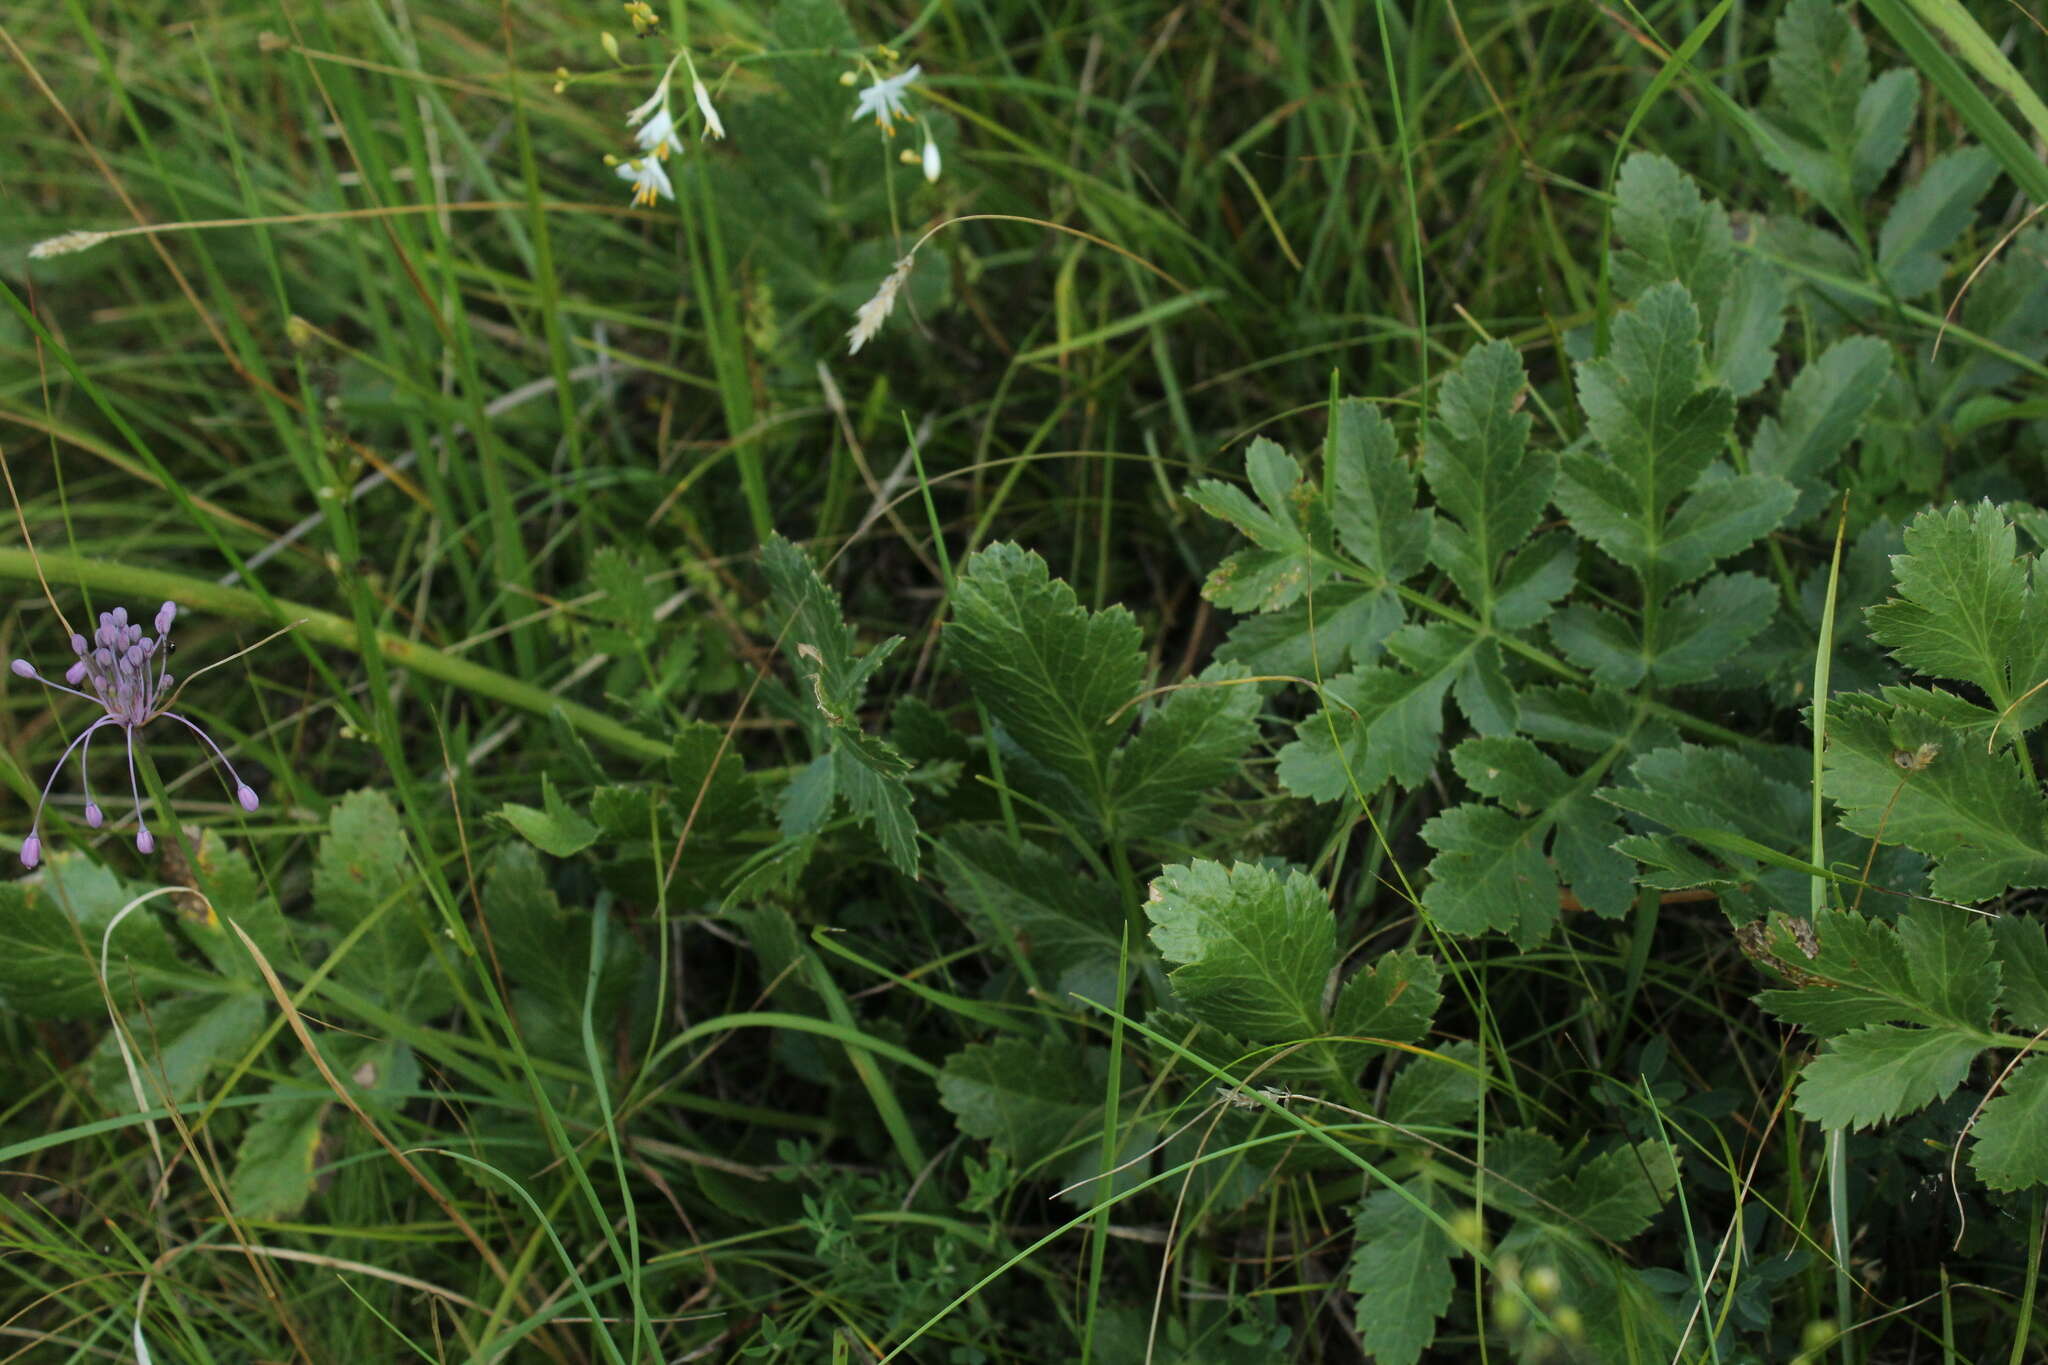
<point x="1616" y="1194"/>
<point x="1672" y="232"/>
<point x="2010" y="1152"/>
<point x="1439" y="1088"/>
<point x="273" y="1175"/>
<point x="1393" y="999"/>
<point x="1383" y="722"/>
<point x="1068" y="924"/>
<point x="1882" y="1071"/>
<point x="1933" y="967"/>
<point x="360" y="872"/>
<point x="1928" y="217"/>
<point x="1820" y="413"/>
<point x="1491" y="488"/>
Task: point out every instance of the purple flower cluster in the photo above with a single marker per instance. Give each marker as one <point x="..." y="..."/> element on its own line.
<point x="130" y="679"/>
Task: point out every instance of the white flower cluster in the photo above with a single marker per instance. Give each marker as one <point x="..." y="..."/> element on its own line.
<point x="654" y="132"/>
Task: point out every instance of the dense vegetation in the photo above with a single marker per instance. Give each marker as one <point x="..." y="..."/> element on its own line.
<point x="1223" y="683"/>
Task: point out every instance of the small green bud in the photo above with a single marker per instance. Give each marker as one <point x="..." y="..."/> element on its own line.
<point x="1544" y="1284"/>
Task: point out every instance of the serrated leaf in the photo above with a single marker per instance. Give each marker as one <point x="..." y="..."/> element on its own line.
<point x="1821" y="412"/>
<point x="1616" y="1194"/>
<point x="626" y="599"/>
<point x="51" y="930"/>
<point x="1028" y="1100"/>
<point x="1372" y="493"/>
<point x="1394" y="999"/>
<point x="1884" y="115"/>
<point x="1192" y="745"/>
<point x="360" y="872"/>
<point x="273" y="1175"/>
<point x="1400" y="1273"/>
<point x="1819" y="72"/>
<point x="2023" y="959"/>
<point x="1974" y="812"/>
<point x="1534" y="579"/>
<point x="1672" y="233"/>
<point x="177" y="1043"/>
<point x="1865" y="977"/>
<point x="1068" y="924"/>
<point x="1519" y="1164"/>
<point x="1657" y="431"/>
<point x="1488" y="483"/>
<point x="1883" y="1071"/>
<point x="1718" y="799"/>
<point x="1747" y="326"/>
<point x="557" y="829"/>
<point x="1284" y="564"/>
<point x="1928" y="217"/>
<point x="2009" y="1152"/>
<point x="1338" y="623"/>
<point x="1379" y="723"/>
<point x="869" y="773"/>
<point x="1578" y="718"/>
<point x="1436" y="1088"/>
<point x="542" y="945"/>
<point x="1523" y="778"/>
<point x="1050" y="672"/>
<point x="1697" y="633"/>
<point x="817" y="639"/>
<point x="1489" y="873"/>
<point x="1252" y="947"/>
<point x="1968" y="608"/>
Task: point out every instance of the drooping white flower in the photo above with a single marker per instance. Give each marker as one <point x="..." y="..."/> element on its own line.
<point x="712" y="127"/>
<point x="884" y="100"/>
<point x="869" y="317"/>
<point x="657" y="135"/>
<point x="647" y="106"/>
<point x="650" y="181"/>
<point x="931" y="157"/>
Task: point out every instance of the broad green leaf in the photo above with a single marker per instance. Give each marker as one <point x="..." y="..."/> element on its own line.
<point x="1068" y="924"/>
<point x="273" y="1175"/>
<point x="1723" y="517"/>
<point x="1519" y="1165"/>
<point x="1883" y="1071"/>
<point x="1672" y="233"/>
<point x="1491" y="487"/>
<point x="557" y="829"/>
<point x="51" y="927"/>
<point x="1395" y="998"/>
<point x="360" y="872"/>
<point x="1969" y="607"/>
<point x="1704" y="794"/>
<point x="2023" y="958"/>
<point x="1338" y="623"/>
<point x="1379" y="723"/>
<point x="1282" y="526"/>
<point x="1532" y="581"/>
<point x="1521" y="777"/>
<point x="1884" y="115"/>
<point x="1191" y="746"/>
<point x="1982" y="821"/>
<point x="1820" y="413"/>
<point x="1400" y="1273"/>
<point x="1616" y="1194"/>
<point x="1939" y="972"/>
<point x="1051" y="673"/>
<point x="1577" y="718"/>
<point x="238" y="895"/>
<point x="1657" y="431"/>
<point x="2010" y="1152"/>
<point x="1928" y="217"/>
<point x="1252" y="947"/>
<point x="1028" y="1100"/>
<point x="1436" y="1089"/>
<point x="1372" y="493"/>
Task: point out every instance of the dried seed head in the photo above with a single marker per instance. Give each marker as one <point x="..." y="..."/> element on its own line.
<point x="868" y="319"/>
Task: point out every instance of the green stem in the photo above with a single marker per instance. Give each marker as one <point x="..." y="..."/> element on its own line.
<point x="328" y="629"/>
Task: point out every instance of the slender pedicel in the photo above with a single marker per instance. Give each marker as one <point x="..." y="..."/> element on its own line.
<point x="130" y="680"/>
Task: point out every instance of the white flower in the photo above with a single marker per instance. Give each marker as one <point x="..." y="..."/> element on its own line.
<point x="931" y="157"/>
<point x="657" y="135"/>
<point x="869" y="317"/>
<point x="653" y="102"/>
<point x="884" y="100"/>
<point x="712" y="127"/>
<point x="649" y="180"/>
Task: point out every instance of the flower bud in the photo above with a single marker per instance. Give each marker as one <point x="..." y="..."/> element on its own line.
<point x="31" y="851"/>
<point x="23" y="668"/>
<point x="246" y="795"/>
<point x="94" y="816"/>
<point x="1544" y="1284"/>
<point x="145" y="842"/>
